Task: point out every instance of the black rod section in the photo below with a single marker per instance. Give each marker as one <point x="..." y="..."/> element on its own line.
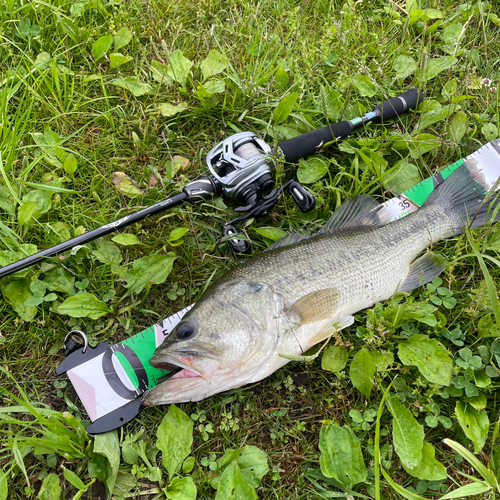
<point x="206" y="187"/>
<point x="307" y="144"/>
<point x="93" y="235"/>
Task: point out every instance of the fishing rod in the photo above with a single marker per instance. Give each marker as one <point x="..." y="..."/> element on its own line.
<point x="241" y="171"/>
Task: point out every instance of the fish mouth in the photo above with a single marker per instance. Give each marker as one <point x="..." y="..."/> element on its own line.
<point x="172" y="364"/>
<point x="181" y="362"/>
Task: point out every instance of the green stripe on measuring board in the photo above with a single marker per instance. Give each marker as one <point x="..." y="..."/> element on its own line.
<point x="111" y="380"/>
<point x="419" y="193"/>
<point x="486" y="158"/>
<point x="143" y="344"/>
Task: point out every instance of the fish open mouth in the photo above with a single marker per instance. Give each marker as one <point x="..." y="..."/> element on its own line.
<point x="178" y="368"/>
<point x="185" y="373"/>
<point x="187" y="363"/>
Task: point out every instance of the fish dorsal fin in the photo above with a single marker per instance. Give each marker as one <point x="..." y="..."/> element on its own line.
<point x="287" y="240"/>
<point x="358" y="211"/>
<point x="423" y="270"/>
<point x="315" y="306"/>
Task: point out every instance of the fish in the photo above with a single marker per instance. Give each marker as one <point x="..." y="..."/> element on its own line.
<point x="304" y="288"/>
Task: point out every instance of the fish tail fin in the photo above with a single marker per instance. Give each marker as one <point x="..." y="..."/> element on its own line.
<point x="463" y="195"/>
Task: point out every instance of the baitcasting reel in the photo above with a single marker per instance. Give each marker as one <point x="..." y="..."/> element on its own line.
<point x="241" y="170"/>
<point x="240" y="164"/>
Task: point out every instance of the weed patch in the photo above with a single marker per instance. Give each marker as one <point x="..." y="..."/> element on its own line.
<point x="106" y="108"/>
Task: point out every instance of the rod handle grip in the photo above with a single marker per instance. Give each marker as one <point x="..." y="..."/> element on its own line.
<point x="395" y="107"/>
<point x="309" y="143"/>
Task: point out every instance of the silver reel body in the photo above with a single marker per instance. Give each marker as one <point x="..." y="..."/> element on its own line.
<point x="241" y="165"/>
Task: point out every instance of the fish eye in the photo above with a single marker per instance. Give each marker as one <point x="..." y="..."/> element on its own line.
<point x="185" y="331"/>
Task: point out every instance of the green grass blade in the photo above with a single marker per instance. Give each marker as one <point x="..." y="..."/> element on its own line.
<point x="487" y="278"/>
<point x="467" y="491"/>
<point x="22" y="409"/>
<point x="12" y="235"/>
<point x="19" y="459"/>
<point x="377" y="442"/>
<point x="399" y="489"/>
<point x="7" y="181"/>
<point x="48" y="187"/>
<point x="473" y="460"/>
<point x="494" y="437"/>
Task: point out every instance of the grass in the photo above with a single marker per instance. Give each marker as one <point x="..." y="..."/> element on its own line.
<point x="50" y="80"/>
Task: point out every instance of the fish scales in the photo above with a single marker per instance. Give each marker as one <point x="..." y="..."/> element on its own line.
<point x="259" y="315"/>
<point x="352" y="261"/>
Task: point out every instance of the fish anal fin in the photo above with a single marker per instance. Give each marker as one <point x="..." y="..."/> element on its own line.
<point x="315" y="306"/>
<point x="423" y="270"/>
<point x="332" y="329"/>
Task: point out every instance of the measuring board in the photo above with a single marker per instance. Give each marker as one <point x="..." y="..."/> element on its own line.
<point x="111" y="379"/>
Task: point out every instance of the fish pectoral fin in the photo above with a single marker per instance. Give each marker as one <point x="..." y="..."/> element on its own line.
<point x="423" y="270"/>
<point x="361" y="211"/>
<point x="315" y="306"/>
<point x="332" y="329"/>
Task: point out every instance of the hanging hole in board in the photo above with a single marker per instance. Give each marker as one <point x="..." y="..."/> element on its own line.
<point x="74" y="340"/>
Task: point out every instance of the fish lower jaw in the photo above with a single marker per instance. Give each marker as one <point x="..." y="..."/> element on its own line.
<point x="192" y="389"/>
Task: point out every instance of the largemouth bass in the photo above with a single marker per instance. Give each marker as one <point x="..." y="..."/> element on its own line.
<point x="303" y="289"/>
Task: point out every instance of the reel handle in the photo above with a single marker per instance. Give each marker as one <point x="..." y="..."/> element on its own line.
<point x="303" y="199"/>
